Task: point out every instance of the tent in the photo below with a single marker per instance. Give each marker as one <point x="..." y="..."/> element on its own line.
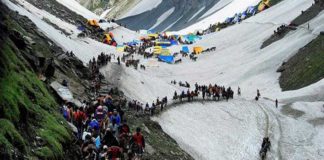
<point x="197" y="50"/>
<point x="157" y="50"/>
<point x="173" y="42"/>
<point x="143" y="31"/>
<point x="93" y="22"/>
<point x="264" y="4"/>
<point x="185" y="49"/>
<point x="244" y="15"/>
<point x="167" y="59"/>
<point x="165" y="52"/>
<point x="229" y="20"/>
<point x="163" y="43"/>
<point x="108" y="37"/>
<point x="120" y="48"/>
<point x="153" y="36"/>
<point x="251" y="10"/>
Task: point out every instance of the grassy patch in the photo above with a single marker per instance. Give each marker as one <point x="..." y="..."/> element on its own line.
<point x="25" y="100"/>
<point x="306" y="67"/>
<point x="10" y="137"/>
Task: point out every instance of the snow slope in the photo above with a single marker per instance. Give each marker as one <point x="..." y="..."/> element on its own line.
<point x="85" y="48"/>
<point x="142" y="6"/>
<point x="228" y="10"/>
<point x="189" y="15"/>
<point x="229" y="135"/>
<point x="78" y="8"/>
<point x="163" y="17"/>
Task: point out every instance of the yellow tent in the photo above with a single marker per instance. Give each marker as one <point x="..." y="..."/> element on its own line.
<point x="266" y="2"/>
<point x="120" y="48"/>
<point x="157" y="50"/>
<point x="165" y="52"/>
<point x="197" y="50"/>
<point x="153" y="35"/>
<point x="93" y="22"/>
<point x="263" y="5"/>
<point x="107" y="37"/>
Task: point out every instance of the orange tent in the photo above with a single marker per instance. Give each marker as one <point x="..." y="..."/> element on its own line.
<point x="197" y="50"/>
<point x="93" y="23"/>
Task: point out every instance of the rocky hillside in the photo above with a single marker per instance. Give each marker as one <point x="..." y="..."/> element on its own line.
<point x="31" y="126"/>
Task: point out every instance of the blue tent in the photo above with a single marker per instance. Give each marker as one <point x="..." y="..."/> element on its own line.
<point x="173" y="42"/>
<point x="229" y="20"/>
<point x="167" y="59"/>
<point x="185" y="49"/>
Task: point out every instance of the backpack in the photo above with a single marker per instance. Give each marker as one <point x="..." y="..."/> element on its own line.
<point x="66" y="114"/>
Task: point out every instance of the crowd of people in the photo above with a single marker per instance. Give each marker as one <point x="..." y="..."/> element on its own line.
<point x="281" y="29"/>
<point x="207" y="91"/>
<point x="102" y="130"/>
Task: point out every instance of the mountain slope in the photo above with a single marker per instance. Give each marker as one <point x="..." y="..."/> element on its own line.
<point x="186" y="13"/>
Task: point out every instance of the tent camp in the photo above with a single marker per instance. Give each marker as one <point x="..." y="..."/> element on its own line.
<point x="197" y="50"/>
<point x="167" y="59"/>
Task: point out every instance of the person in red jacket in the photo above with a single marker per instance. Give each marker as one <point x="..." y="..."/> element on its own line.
<point x="114" y="153"/>
<point x="138" y="142"/>
<point x="79" y="118"/>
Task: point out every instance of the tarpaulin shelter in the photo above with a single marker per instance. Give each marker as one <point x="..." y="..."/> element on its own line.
<point x="185" y="49"/>
<point x="163" y="43"/>
<point x="229" y="20"/>
<point x="244" y="15"/>
<point x="191" y="37"/>
<point x="155" y="36"/>
<point x="167" y="59"/>
<point x="143" y="31"/>
<point x="197" y="49"/>
<point x="157" y="50"/>
<point x="120" y="48"/>
<point x="108" y="37"/>
<point x="93" y="22"/>
<point x="165" y="52"/>
<point x="173" y="42"/>
<point x="251" y="10"/>
<point x="264" y="4"/>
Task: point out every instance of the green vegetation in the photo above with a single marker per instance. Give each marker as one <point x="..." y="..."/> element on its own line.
<point x="306" y="67"/>
<point x="27" y="109"/>
<point x="24" y="96"/>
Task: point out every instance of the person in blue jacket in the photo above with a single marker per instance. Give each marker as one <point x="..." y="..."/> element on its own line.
<point x="115" y="116"/>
